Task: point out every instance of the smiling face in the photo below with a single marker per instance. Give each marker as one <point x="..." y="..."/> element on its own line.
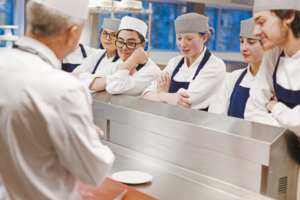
<point x="129" y="37"/>
<point x="251" y="49"/>
<point x="270" y="29"/>
<point x="108" y="42"/>
<point x="190" y="44"/>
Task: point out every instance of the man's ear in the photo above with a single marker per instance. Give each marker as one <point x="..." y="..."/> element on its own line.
<point x="289" y="20"/>
<point x="143" y="44"/>
<point x="71" y="35"/>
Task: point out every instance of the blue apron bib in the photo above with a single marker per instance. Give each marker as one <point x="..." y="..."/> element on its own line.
<point x="238" y="98"/>
<point x="290" y="98"/>
<point x="175" y="86"/>
<point x="100" y="59"/>
<point x="69" y="67"/>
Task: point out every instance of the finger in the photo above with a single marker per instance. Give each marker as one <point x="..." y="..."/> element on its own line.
<point x="184" y="94"/>
<point x="186" y="101"/>
<point x="184" y="104"/>
<point x="98" y="130"/>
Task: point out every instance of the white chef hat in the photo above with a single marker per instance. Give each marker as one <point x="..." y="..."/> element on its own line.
<point x="247" y="28"/>
<point x="134" y="24"/>
<point x="260" y="5"/>
<point x="111" y="23"/>
<point x="191" y="23"/>
<point x="73" y="8"/>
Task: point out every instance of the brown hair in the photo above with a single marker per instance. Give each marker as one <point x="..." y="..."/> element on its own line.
<point x="295" y="26"/>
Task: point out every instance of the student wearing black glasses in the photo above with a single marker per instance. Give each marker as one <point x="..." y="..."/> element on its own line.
<point x="134" y="71"/>
<point x="104" y="57"/>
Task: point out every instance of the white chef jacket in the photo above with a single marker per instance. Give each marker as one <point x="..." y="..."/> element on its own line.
<point x="121" y="82"/>
<point x="203" y="88"/>
<point x="221" y="102"/>
<point x="88" y="64"/>
<point x="76" y="56"/>
<point x="47" y="135"/>
<point x="262" y="91"/>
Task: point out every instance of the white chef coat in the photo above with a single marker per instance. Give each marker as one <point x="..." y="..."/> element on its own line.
<point x="47" y="135"/>
<point x="88" y="64"/>
<point x="3" y="192"/>
<point x="221" y="101"/>
<point x="76" y="56"/>
<point x="262" y="91"/>
<point x="121" y="82"/>
<point x="203" y="88"/>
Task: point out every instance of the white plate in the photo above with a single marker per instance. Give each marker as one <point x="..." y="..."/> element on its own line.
<point x="132" y="177"/>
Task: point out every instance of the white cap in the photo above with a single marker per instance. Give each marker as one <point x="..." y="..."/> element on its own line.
<point x="261" y="5"/>
<point x="134" y="24"/>
<point x="73" y="8"/>
<point x="247" y="28"/>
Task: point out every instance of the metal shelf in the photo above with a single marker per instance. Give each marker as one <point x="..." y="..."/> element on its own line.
<point x="109" y="9"/>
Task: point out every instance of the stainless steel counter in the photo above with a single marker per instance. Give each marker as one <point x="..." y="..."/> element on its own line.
<point x="222" y="153"/>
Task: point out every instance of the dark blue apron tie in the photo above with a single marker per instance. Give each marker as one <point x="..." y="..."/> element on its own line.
<point x="100" y="59"/>
<point x="290" y="98"/>
<point x="238" y="99"/>
<point x="141" y="65"/>
<point x="175" y="86"/>
<point x="69" y="67"/>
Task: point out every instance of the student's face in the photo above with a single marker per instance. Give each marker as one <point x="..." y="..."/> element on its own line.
<point x="270" y="29"/>
<point x="108" y="42"/>
<point x="190" y="44"/>
<point x="129" y="37"/>
<point x="251" y="50"/>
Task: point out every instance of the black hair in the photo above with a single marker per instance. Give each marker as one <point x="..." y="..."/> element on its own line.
<point x="140" y="35"/>
<point x="295" y="26"/>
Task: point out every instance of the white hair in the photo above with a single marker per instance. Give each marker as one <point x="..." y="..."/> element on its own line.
<point x="46" y="22"/>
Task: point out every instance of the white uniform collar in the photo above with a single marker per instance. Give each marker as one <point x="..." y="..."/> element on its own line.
<point x="41" y="48"/>
<point x="198" y="60"/>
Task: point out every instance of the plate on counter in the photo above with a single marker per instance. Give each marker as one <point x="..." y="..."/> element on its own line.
<point x="132" y="177"/>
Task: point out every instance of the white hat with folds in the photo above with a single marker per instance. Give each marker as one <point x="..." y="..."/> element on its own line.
<point x="73" y="8"/>
<point x="261" y="5"/>
<point x="134" y="24"/>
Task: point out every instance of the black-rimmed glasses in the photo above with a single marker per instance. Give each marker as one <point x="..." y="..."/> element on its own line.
<point x="129" y="45"/>
<point x="104" y="34"/>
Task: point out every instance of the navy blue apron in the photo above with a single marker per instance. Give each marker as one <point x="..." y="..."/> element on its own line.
<point x="69" y="67"/>
<point x="238" y="99"/>
<point x="100" y="59"/>
<point x="175" y="86"/>
<point x="290" y="98"/>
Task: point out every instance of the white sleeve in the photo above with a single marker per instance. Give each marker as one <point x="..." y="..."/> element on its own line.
<point x="203" y="88"/>
<point x="75" y="140"/>
<point x="121" y="83"/>
<point x="261" y="92"/>
<point x="287" y="117"/>
<point x="220" y="103"/>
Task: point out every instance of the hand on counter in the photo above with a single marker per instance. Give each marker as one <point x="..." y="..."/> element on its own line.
<point x="98" y="130"/>
<point x="179" y="99"/>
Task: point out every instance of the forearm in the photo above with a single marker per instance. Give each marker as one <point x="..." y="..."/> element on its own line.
<point x="98" y="84"/>
<point x="75" y="74"/>
<point x="154" y="96"/>
<point x="129" y="64"/>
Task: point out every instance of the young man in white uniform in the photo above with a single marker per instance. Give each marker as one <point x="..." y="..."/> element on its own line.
<point x="134" y="71"/>
<point x="192" y="79"/>
<point x="48" y="140"/>
<point x="275" y="94"/>
<point x="103" y="58"/>
<point x="234" y="93"/>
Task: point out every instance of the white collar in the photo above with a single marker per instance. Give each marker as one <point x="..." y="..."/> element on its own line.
<point x="41" y="48"/>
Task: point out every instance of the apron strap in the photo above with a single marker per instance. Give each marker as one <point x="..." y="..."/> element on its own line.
<point x="97" y="64"/>
<point x="203" y="62"/>
<point x="83" y="51"/>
